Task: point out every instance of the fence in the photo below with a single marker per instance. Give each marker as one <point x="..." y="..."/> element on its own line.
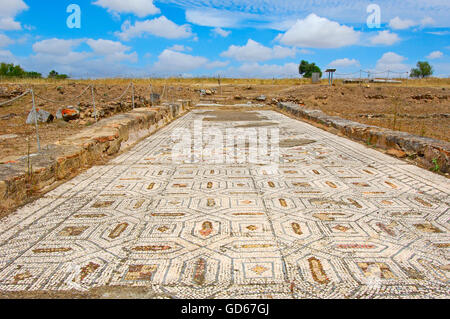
<point x="93" y="92"/>
<point x="361" y="76"/>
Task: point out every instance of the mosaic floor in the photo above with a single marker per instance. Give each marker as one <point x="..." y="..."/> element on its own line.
<point x="337" y="220"/>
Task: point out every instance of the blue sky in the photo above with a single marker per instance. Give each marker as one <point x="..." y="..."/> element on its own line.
<point x="233" y="38"/>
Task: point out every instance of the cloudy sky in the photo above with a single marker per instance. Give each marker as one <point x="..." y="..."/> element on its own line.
<point x="235" y="38"/>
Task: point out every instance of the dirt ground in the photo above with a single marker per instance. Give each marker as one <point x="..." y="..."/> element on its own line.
<point x="422" y="111"/>
<point x="13" y="128"/>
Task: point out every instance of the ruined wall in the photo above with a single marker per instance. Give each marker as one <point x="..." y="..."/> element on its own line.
<point x="29" y="177"/>
<point x="425" y="151"/>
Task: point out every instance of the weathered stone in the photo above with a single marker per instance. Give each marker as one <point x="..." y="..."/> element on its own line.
<point x="396" y="153"/>
<point x="3" y="189"/>
<point x="422" y="97"/>
<point x="68" y="113"/>
<point x="42" y="117"/>
<point x="400" y="144"/>
<point x="261" y="98"/>
<point x="8" y="136"/>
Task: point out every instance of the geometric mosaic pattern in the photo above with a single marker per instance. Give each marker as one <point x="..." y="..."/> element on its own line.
<point x="338" y="220"/>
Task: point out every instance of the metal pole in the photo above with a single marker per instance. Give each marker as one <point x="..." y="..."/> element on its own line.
<point x="173" y="95"/>
<point x="151" y="94"/>
<point x="132" y="90"/>
<point x="163" y="92"/>
<point x="93" y="103"/>
<point x="35" y="120"/>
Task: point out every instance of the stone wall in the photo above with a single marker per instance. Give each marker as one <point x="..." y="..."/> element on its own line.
<point x="29" y="177"/>
<point x="427" y="152"/>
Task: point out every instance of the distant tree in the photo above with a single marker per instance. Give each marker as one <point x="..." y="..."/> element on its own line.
<point x="33" y="75"/>
<point x="11" y="70"/>
<point x="52" y="74"/>
<point x="55" y="75"/>
<point x="423" y="70"/>
<point x="306" y="69"/>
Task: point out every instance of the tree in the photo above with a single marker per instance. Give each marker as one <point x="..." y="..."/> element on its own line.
<point x="11" y="70"/>
<point x="33" y="75"/>
<point x="52" y="74"/>
<point x="55" y="75"/>
<point x="306" y="69"/>
<point x="423" y="70"/>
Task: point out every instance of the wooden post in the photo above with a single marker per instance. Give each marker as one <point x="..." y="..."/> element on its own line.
<point x="163" y="92"/>
<point x="360" y="78"/>
<point x="132" y="92"/>
<point x="93" y="103"/>
<point x="35" y="120"/>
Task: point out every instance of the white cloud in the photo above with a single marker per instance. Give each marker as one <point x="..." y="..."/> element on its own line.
<point x="398" y="24"/>
<point x="304" y="51"/>
<point x="7" y="57"/>
<point x="440" y="33"/>
<point x="281" y="24"/>
<point x="112" y="50"/>
<point x="256" y="70"/>
<point x="317" y="32"/>
<point x="176" y="62"/>
<point x="391" y="61"/>
<point x="427" y="21"/>
<point x="56" y="46"/>
<point x="160" y="27"/>
<point x="345" y="11"/>
<point x="213" y="18"/>
<point x="52" y="53"/>
<point x="435" y="55"/>
<point x="255" y="52"/>
<point x="223" y="33"/>
<point x="5" y="40"/>
<point x="385" y="38"/>
<point x="9" y="24"/>
<point x="344" y="63"/>
<point x="180" y="48"/>
<point x="67" y="56"/>
<point x="236" y="18"/>
<point x="173" y="62"/>
<point x="8" y="11"/>
<point x="140" y="8"/>
<point x="217" y="64"/>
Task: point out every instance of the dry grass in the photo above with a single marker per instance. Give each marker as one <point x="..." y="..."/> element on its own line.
<point x="428" y="82"/>
<point x="397" y="109"/>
